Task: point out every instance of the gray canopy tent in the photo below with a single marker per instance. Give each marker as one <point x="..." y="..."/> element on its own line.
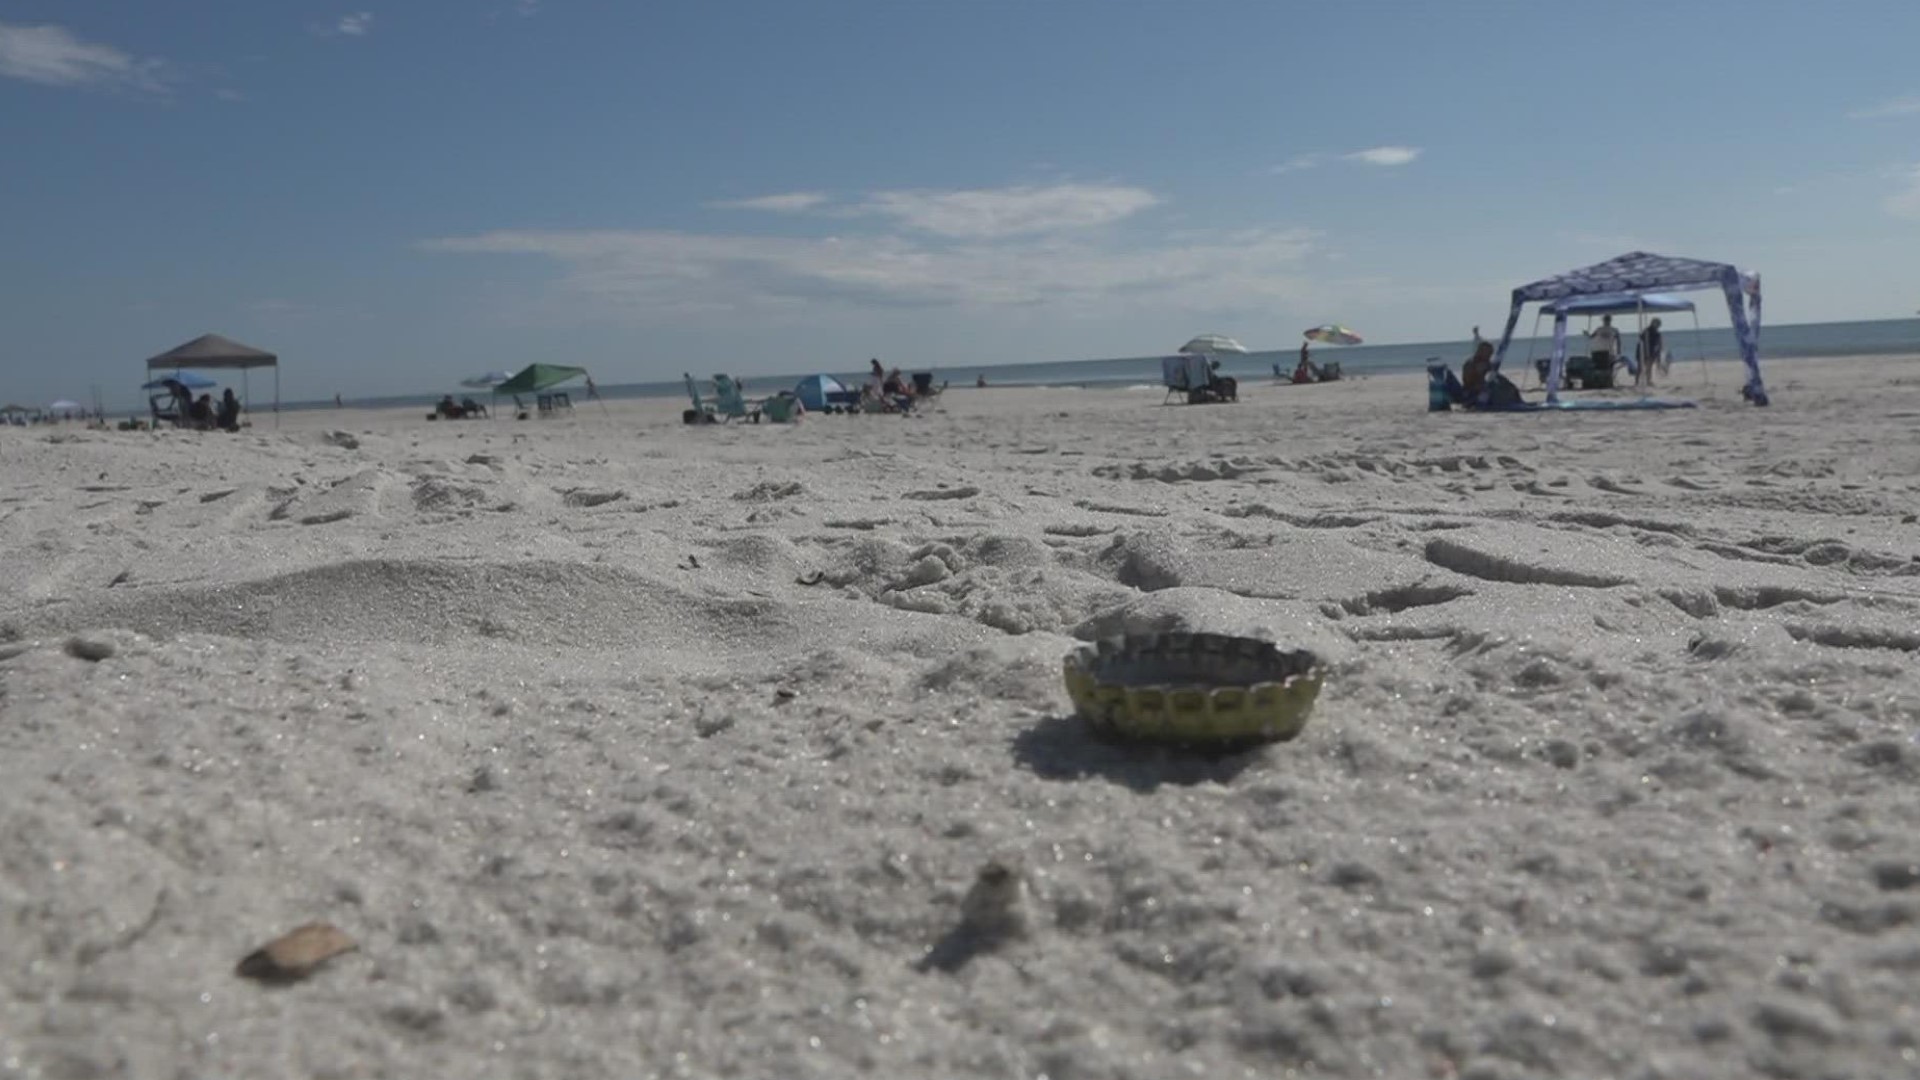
<point x="211" y="352"/>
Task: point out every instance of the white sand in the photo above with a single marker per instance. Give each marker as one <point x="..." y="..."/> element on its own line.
<point x="1615" y="775"/>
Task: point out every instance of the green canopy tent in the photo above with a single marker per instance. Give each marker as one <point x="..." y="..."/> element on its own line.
<point x="537" y="378"/>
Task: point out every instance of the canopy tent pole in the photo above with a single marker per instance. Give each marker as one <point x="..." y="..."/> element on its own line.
<point x="1557" y="370"/>
<point x="1531" y="342"/>
<point x="1513" y="320"/>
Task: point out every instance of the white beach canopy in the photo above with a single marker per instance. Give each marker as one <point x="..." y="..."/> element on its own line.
<point x="1206" y="344"/>
<point x="1639" y="273"/>
<point x="212" y="352"/>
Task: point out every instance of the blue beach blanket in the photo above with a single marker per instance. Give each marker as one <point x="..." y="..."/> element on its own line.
<point x="1590" y="405"/>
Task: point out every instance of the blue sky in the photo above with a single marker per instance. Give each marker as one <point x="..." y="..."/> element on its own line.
<point x="392" y="196"/>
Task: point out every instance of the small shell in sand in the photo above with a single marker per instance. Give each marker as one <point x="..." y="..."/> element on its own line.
<point x="295" y="954"/>
<point x="992" y="908"/>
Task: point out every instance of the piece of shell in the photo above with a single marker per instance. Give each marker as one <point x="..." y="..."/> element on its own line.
<point x="295" y="954"/>
<point x="992" y="908"/>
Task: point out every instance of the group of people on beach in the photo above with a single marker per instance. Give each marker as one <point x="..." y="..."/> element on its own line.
<point x="890" y="391"/>
<point x="203" y="413"/>
<point x="1482" y="386"/>
<point x="1604" y="340"/>
<point x="459" y="410"/>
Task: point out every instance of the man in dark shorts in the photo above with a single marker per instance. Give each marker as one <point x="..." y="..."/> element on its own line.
<point x="1651" y="346"/>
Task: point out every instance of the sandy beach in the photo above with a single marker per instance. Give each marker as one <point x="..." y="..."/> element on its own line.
<point x="625" y="749"/>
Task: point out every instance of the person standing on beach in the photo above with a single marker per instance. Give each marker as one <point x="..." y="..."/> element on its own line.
<point x="1605" y="343"/>
<point x="1652" y="342"/>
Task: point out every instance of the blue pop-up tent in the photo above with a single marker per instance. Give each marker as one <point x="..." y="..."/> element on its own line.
<point x="1625" y="303"/>
<point x="1639" y="273"/>
<point x="819" y="393"/>
<point x="1615" y="304"/>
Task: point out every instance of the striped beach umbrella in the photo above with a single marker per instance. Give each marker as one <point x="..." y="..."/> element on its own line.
<point x="1207" y="344"/>
<point x="1333" y="334"/>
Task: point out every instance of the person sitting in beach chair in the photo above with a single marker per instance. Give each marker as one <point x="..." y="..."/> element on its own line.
<point x="1305" y="371"/>
<point x="226" y="416"/>
<point x="1483" y="387"/>
<point x="472" y="408"/>
<point x="885" y="396"/>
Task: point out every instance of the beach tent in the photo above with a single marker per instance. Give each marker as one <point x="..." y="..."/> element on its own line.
<point x="1616" y="304"/>
<point x="1639" y="273"/>
<point x="537" y="377"/>
<point x="215" y="353"/>
<point x="813" y="391"/>
<point x="1625" y="303"/>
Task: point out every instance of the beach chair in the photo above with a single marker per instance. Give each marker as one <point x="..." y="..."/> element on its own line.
<point x="783" y="408"/>
<point x="1173" y="375"/>
<point x="730" y="404"/>
<point x="702" y="411"/>
<point x="165" y="409"/>
<point x="1191" y="376"/>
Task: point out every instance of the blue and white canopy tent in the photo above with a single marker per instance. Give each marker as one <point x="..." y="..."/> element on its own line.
<point x="1639" y="272"/>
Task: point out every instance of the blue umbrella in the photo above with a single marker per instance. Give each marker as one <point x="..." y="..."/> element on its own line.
<point x="185" y="378"/>
<point x="487" y="380"/>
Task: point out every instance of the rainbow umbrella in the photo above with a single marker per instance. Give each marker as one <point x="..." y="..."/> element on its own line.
<point x="1333" y="334"/>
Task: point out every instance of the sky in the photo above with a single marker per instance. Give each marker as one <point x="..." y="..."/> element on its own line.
<point x="396" y="195"/>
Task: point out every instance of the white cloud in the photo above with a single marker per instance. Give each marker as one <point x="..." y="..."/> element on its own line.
<point x="658" y="274"/>
<point x="1299" y="162"/>
<point x="1001" y="212"/>
<point x="1385" y="155"/>
<point x="978" y="214"/>
<point x="1377" y="155"/>
<point x="1906" y="106"/>
<point x="1905" y="203"/>
<point x="52" y="56"/>
<point x="354" y="24"/>
<point x="790" y="203"/>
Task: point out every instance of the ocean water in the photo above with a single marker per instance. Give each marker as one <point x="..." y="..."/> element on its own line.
<point x="1787" y="343"/>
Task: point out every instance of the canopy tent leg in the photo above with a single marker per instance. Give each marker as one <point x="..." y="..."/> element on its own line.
<point x="1506" y="336"/>
<point x="1529" y="372"/>
<point x="1746" y="333"/>
<point x="276" y="395"/>
<point x="1557" y="367"/>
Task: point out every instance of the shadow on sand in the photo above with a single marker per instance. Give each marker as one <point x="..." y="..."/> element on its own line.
<point x="1065" y="748"/>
